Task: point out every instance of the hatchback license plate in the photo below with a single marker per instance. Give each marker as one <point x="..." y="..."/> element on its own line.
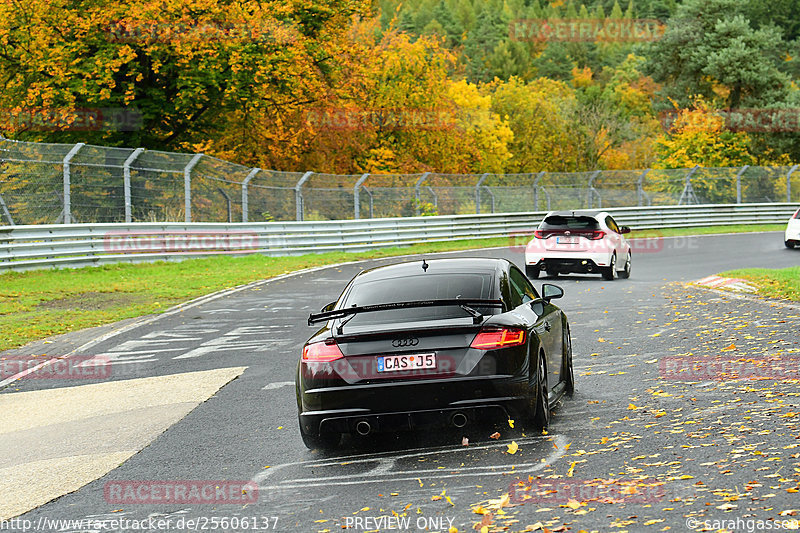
<point x="417" y="361"/>
<point x="566" y="240"/>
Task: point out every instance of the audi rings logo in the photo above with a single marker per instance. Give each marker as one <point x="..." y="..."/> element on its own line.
<point x="411" y="341"/>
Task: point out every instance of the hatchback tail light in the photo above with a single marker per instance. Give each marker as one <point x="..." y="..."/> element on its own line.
<point x="323" y="351"/>
<point x="539" y="234"/>
<point x="492" y="339"/>
<point x="596" y="235"/>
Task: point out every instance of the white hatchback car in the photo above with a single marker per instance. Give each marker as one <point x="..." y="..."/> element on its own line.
<point x="792" y="236"/>
<point x="579" y="241"/>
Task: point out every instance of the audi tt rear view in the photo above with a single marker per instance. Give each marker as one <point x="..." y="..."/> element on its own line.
<point x="443" y="343"/>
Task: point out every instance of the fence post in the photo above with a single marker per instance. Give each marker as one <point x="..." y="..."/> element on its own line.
<point x="357" y="197"/>
<point x="126" y="182"/>
<point x="640" y="188"/>
<point x="371" y="201"/>
<point x="187" y="186"/>
<point x="67" y="212"/>
<point x="536" y="189"/>
<point x="298" y="195"/>
<point x="5" y="210"/>
<point x="245" y="198"/>
<point x="739" y="183"/>
<point x="478" y="193"/>
<point x="688" y="192"/>
<point x="491" y="195"/>
<point x="590" y="193"/>
<point x="416" y="191"/>
<point x="789" y="184"/>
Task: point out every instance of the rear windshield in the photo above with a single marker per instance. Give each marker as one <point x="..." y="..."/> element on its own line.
<point x="572" y="223"/>
<point x="419" y="287"/>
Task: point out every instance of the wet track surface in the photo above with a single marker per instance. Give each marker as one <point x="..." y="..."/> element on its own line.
<point x="635" y="449"/>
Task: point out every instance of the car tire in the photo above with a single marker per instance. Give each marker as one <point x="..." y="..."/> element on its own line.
<point x="789" y="244"/>
<point x="611" y="270"/>
<point x="541" y="413"/>
<point x="552" y="273"/>
<point x="322" y="442"/>
<point x="625" y="273"/>
<point x="532" y="271"/>
<point x="567" y="371"/>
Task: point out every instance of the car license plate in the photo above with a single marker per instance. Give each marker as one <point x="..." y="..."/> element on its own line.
<point x="566" y="240"/>
<point x="417" y="361"/>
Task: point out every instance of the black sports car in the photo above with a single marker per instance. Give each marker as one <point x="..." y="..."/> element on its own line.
<point x="444" y="342"/>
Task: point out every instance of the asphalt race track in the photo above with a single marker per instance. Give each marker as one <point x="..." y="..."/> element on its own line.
<point x="636" y="449"/>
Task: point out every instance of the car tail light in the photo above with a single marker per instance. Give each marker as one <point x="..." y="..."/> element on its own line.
<point x="539" y="234"/>
<point x="596" y="235"/>
<point x="323" y="351"/>
<point x="492" y="339"/>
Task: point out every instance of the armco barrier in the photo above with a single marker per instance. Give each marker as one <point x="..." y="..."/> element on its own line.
<point x="77" y="245"/>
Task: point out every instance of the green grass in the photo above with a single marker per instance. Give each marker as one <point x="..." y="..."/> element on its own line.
<point x="38" y="304"/>
<point x="782" y="283"/>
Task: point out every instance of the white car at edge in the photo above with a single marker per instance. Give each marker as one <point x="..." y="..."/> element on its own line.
<point x="792" y="236"/>
<point x="583" y="242"/>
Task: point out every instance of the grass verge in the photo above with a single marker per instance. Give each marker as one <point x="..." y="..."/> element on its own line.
<point x="38" y="304"/>
<point x="782" y="283"/>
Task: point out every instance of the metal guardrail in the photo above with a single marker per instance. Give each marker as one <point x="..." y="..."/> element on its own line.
<point x="77" y="245"/>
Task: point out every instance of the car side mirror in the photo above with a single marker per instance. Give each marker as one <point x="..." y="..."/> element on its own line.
<point x="624" y="229"/>
<point x="537" y="306"/>
<point x="550" y="292"/>
<point x="329" y="307"/>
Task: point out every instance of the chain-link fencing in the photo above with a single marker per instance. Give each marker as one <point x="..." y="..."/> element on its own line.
<point x="59" y="183"/>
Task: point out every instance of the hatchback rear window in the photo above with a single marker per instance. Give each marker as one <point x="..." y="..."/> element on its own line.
<point x="419" y="287"/>
<point x="571" y="223"/>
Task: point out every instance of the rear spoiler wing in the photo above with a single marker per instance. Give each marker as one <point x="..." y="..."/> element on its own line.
<point x="314" y="318"/>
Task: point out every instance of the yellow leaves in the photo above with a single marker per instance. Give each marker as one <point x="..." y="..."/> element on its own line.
<point x="513" y="447"/>
<point x="571" y="469"/>
<point x="511" y="423"/>
<point x="632" y="407"/>
<point x="572" y="504"/>
<point x="730" y="348"/>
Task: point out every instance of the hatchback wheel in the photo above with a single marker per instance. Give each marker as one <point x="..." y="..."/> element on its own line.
<point x="532" y="271"/>
<point x="610" y="271"/>
<point x="626" y="272"/>
<point x="789" y="244"/>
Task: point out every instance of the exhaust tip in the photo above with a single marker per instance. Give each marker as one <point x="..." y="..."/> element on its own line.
<point x="459" y="420"/>
<point x="363" y="428"/>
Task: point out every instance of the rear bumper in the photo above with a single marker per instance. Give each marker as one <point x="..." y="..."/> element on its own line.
<point x="413" y="405"/>
<point x="538" y="256"/>
<point x="565" y="265"/>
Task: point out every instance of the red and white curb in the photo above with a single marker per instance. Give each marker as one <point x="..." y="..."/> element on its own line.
<point x="731" y="284"/>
